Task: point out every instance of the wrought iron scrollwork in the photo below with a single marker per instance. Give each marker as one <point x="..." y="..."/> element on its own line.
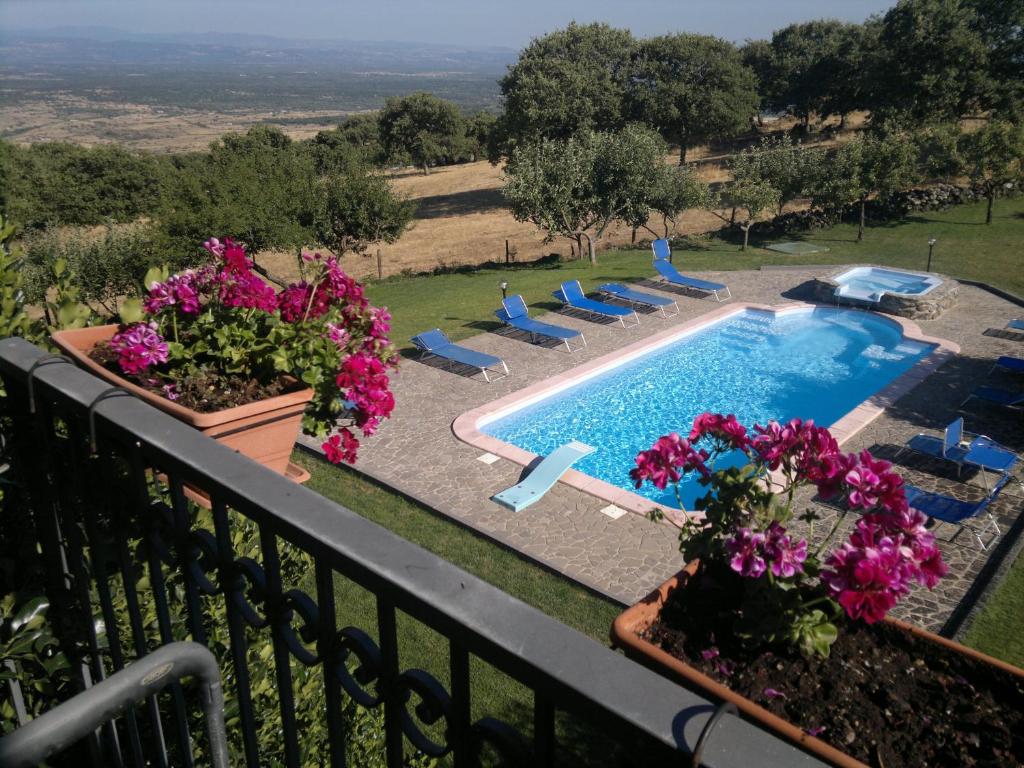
<point x="435" y="703"/>
<point x="354" y="641"/>
<point x="202" y="559"/>
<point x="245" y="582"/>
<point x="297" y="601"/>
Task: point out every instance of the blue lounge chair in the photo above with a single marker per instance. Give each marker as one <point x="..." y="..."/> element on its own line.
<point x="981" y="452"/>
<point x="673" y="276"/>
<point x="1011" y="364"/>
<point x="572" y="296"/>
<point x="437" y="343"/>
<point x="998" y="396"/>
<point x="544" y="475"/>
<point x="946" y="509"/>
<point x="1015" y="325"/>
<point x="639" y="298"/>
<point x="513" y="312"/>
<point x="661" y="249"/>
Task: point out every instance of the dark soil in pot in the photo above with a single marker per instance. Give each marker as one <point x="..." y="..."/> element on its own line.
<point x="202" y="394"/>
<point x="883" y="696"/>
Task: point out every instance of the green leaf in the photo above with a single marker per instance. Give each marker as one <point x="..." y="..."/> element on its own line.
<point x="131" y="311"/>
<point x="155" y="275"/>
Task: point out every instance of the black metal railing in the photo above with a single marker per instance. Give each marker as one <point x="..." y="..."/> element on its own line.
<point x="268" y="575"/>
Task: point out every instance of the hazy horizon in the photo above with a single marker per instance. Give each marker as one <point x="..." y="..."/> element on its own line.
<point x="482" y="23"/>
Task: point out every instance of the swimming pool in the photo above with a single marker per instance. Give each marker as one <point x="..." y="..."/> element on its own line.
<point x="811" y="362"/>
<point x="871" y="283"/>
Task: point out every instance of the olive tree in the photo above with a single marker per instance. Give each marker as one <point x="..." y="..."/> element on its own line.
<point x="868" y="165"/>
<point x="422" y="128"/>
<point x="752" y="196"/>
<point x="782" y="162"/>
<point x="576" y="187"/>
<point x="672" y="191"/>
<point x="691" y="88"/>
<point x="359" y="209"/>
<point x="994" y="158"/>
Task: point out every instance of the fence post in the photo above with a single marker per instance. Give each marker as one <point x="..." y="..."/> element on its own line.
<point x="380" y="266"/>
<point x="506" y="252"/>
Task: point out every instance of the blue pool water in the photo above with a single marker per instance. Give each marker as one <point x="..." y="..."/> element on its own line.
<point x="862" y="282"/>
<point x="814" y="364"/>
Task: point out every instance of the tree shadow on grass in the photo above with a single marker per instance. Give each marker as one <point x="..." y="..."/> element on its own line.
<point x="459" y="204"/>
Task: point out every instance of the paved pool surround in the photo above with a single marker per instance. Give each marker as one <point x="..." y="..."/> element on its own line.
<point x="467" y="426"/>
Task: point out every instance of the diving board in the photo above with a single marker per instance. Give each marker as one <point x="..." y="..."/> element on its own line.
<point x="543" y="477"/>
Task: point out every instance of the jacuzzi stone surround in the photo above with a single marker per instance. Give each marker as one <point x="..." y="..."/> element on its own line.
<point x="466" y="426"/>
<point x="923" y="306"/>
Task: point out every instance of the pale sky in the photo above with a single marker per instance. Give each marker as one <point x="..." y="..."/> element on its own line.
<point x="509" y="23"/>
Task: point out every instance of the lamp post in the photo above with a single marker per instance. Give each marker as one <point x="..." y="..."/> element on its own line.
<point x="504" y="288"/>
<point x="931" y="246"/>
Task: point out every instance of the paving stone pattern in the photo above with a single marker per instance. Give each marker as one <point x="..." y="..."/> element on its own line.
<point x="416" y="452"/>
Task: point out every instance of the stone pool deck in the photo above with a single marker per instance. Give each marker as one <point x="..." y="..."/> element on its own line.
<point x="626" y="555"/>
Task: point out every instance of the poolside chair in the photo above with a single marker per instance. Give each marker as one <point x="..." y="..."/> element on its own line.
<point x="513" y="313"/>
<point x="437" y="343"/>
<point x="639" y="298"/>
<point x="981" y="452"/>
<point x="661" y="249"/>
<point x="997" y="396"/>
<point x="1010" y="364"/>
<point x="1015" y="325"/>
<point x="543" y="476"/>
<point x="572" y="296"/>
<point x="672" y="275"/>
<point x="946" y="509"/>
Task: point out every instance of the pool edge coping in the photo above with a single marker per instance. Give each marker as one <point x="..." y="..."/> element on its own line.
<point x="465" y="426"/>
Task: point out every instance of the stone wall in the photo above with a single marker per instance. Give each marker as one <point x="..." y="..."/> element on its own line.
<point x="822" y="289"/>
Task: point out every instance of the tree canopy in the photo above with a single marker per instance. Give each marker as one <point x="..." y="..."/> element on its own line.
<point x="994" y="158"/>
<point x="566" y="82"/>
<point x="782" y="162"/>
<point x="358" y="209"/>
<point x="423" y="129"/>
<point x="691" y="88"/>
<point x="572" y="187"/>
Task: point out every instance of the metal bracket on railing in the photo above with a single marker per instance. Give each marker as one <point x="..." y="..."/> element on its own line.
<point x="726" y="707"/>
<point x="44" y="360"/>
<point x="106" y="394"/>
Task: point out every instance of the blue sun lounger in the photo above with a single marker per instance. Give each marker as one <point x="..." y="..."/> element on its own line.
<point x="1011" y="364"/>
<point x="661" y="249"/>
<point x="998" y="396"/>
<point x="1015" y="325"/>
<point x="513" y="313"/>
<point x="437" y="343"/>
<point x="544" y="475"/>
<point x="673" y="276"/>
<point x="981" y="452"/>
<point x="572" y="296"/>
<point x="639" y="298"/>
<point x="946" y="509"/>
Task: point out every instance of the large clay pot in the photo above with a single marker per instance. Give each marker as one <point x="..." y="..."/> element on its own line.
<point x="634" y="621"/>
<point x="265" y="431"/>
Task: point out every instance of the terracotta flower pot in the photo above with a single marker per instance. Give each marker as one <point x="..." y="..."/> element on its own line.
<point x="634" y="621"/>
<point x="265" y="431"/>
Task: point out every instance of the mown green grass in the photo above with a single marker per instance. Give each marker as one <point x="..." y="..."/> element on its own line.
<point x="463" y="304"/>
<point x="997" y="630"/>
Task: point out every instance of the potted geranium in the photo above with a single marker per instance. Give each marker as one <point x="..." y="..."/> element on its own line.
<point x="249" y="365"/>
<point x="795" y="635"/>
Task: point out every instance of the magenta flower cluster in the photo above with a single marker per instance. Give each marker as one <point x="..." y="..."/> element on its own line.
<point x="888" y="551"/>
<point x="328" y="306"/>
<point x="884" y="555"/>
<point x="138" y="347"/>
<point x="752" y="553"/>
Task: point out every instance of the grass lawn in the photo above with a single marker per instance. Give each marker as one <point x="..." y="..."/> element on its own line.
<point x="997" y="629"/>
<point x="494" y="694"/>
<point x="462" y="304"/>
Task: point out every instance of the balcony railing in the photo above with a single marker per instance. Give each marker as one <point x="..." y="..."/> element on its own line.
<point x="112" y="483"/>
